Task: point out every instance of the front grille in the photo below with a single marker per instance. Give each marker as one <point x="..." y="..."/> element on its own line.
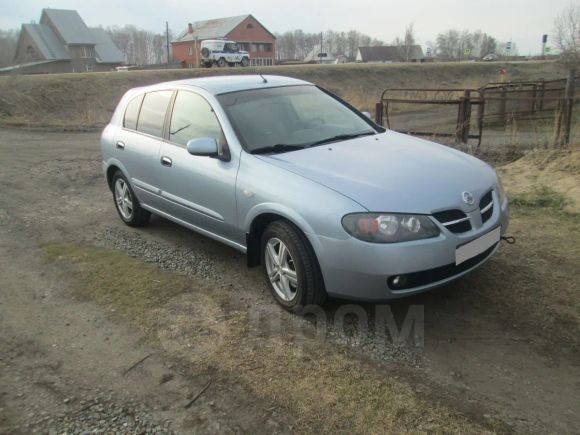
<point x="454" y="220"/>
<point x="426" y="277"/>
<point x="486" y="206"/>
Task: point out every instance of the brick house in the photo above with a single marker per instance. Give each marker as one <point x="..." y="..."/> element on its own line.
<point x="246" y="30"/>
<point x="61" y="42"/>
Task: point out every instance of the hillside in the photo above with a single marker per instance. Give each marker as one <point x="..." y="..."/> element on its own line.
<point x="80" y="101"/>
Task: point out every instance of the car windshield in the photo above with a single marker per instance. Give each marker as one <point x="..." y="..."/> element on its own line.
<point x="289" y="118"/>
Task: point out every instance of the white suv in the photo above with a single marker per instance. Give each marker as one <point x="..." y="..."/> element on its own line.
<point x="222" y="52"/>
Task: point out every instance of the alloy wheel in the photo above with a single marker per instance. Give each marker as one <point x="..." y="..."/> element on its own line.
<point x="281" y="269"/>
<point x="123" y="199"/>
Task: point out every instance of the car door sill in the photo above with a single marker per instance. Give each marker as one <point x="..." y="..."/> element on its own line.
<point x="145" y="187"/>
<point x="192" y="206"/>
<point x="214" y="236"/>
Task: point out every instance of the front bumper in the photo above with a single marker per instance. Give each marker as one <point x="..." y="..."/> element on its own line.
<point x="353" y="269"/>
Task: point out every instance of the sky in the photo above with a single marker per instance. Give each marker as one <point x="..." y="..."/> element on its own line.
<point x="521" y="21"/>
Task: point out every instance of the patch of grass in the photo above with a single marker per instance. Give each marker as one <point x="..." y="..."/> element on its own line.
<point x="540" y="197"/>
<point x="326" y="390"/>
<point x="114" y="279"/>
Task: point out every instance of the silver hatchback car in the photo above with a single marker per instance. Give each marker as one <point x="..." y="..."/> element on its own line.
<point x="328" y="202"/>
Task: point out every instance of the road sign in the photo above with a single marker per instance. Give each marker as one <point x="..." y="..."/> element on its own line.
<point x="429" y="51"/>
<point x="544" y="38"/>
<point x="508" y="45"/>
<point x="467" y="51"/>
<point x="546" y="49"/>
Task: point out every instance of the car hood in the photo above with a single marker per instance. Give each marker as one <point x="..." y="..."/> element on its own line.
<point x="392" y="172"/>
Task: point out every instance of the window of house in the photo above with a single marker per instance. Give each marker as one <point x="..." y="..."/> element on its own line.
<point x="193" y="118"/>
<point x="132" y="113"/>
<point x="249" y="26"/>
<point x="190" y="51"/>
<point x="152" y="114"/>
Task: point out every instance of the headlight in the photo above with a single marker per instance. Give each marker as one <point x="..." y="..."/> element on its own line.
<point x="500" y="190"/>
<point x="389" y="227"/>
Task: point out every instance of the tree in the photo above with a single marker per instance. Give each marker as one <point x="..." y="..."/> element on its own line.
<point x="451" y="44"/>
<point x="140" y="47"/>
<point x="448" y="44"/>
<point x="8" y="41"/>
<point x="406" y="44"/>
<point x="297" y="44"/>
<point x="567" y="33"/>
<point x="488" y="45"/>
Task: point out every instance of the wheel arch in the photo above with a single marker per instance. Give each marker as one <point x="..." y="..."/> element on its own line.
<point x="112" y="167"/>
<point x="260" y="221"/>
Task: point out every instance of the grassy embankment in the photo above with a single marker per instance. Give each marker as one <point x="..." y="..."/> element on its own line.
<point x="79" y="101"/>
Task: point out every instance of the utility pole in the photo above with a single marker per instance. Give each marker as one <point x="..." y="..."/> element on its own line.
<point x="167" y="41"/>
<point x="320" y="52"/>
<point x="544" y="40"/>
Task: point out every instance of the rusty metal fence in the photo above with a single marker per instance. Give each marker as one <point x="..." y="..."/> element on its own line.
<point x="474" y="109"/>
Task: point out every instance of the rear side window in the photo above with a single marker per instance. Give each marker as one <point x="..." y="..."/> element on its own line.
<point x="132" y="113"/>
<point x="153" y="111"/>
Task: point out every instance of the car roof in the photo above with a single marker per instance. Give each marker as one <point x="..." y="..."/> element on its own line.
<point x="217" y="85"/>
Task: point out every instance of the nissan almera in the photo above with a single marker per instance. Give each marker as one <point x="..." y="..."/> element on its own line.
<point x="325" y="200"/>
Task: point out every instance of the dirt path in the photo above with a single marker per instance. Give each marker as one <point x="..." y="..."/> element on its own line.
<point x="64" y="343"/>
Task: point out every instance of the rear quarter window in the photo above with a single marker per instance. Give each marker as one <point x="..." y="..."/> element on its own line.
<point x="132" y="113"/>
<point x="152" y="114"/>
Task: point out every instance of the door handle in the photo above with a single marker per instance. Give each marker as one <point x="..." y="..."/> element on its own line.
<point x="121" y="145"/>
<point x="166" y="161"/>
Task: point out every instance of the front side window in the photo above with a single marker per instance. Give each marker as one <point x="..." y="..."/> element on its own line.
<point x="298" y="116"/>
<point x="153" y="110"/>
<point x="132" y="113"/>
<point x="193" y="118"/>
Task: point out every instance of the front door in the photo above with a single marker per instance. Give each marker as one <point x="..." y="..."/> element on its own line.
<point x="196" y="189"/>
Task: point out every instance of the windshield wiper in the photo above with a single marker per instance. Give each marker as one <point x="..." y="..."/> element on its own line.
<point x="278" y="148"/>
<point x="340" y="137"/>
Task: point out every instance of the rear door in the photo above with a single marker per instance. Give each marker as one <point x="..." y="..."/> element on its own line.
<point x="197" y="189"/>
<point x="138" y="143"/>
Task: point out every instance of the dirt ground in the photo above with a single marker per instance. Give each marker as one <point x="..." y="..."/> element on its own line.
<point x="102" y="324"/>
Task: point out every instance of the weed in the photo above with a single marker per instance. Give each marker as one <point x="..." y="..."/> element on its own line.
<point x="540" y="197"/>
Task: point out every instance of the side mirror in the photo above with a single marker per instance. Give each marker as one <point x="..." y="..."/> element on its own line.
<point x="367" y="114"/>
<point x="203" y="146"/>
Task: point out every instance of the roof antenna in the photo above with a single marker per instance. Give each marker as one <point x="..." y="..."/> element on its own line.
<point x="259" y="72"/>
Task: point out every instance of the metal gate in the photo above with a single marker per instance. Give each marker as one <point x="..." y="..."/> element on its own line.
<point x="492" y="104"/>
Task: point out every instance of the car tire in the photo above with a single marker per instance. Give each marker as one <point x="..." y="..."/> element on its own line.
<point x="221" y="62"/>
<point x="245" y="62"/>
<point x="205" y="52"/>
<point x="296" y="278"/>
<point x="127" y="204"/>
